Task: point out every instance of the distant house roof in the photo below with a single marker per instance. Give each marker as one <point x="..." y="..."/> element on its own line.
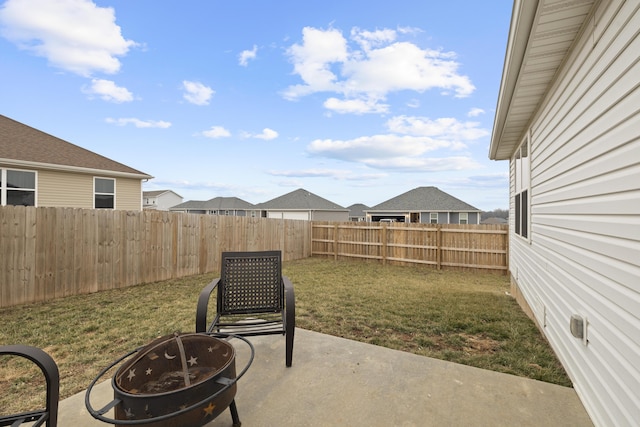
<point x="357" y="209"/>
<point x="189" y="204"/>
<point x="215" y="204"/>
<point x="299" y="199"/>
<point x="156" y="193"/>
<point x="424" y="199"/>
<point x="25" y="146"/>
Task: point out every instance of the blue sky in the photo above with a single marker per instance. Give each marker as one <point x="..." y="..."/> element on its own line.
<point x="355" y="101"/>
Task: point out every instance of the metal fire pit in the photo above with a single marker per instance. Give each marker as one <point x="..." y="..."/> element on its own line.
<point x="179" y="380"/>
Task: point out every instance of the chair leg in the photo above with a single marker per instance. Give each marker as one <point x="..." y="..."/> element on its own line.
<point x="234" y="414"/>
<point x="289" y="343"/>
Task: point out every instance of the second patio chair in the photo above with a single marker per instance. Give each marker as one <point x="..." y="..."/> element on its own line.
<point x="253" y="298"/>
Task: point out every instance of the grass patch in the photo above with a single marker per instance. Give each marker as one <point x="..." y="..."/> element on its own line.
<point x="457" y="316"/>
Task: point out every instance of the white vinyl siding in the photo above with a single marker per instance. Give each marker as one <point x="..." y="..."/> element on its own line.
<point x="584" y="252"/>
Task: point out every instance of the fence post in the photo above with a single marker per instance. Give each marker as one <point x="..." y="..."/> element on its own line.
<point x="335" y="242"/>
<point x="384" y="243"/>
<point x="439" y="246"/>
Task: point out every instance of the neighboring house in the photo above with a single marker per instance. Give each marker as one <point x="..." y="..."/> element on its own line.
<point x="568" y="122"/>
<point x="427" y="205"/>
<point x="301" y="204"/>
<point x="160" y="200"/>
<point x="356" y="212"/>
<point x="229" y="206"/>
<point x="37" y="169"/>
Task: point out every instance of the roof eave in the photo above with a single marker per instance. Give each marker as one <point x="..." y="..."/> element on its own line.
<point x="522" y="18"/>
<point x="78" y="169"/>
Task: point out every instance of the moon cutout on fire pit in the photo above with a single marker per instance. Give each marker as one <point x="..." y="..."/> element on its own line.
<point x="168" y="356"/>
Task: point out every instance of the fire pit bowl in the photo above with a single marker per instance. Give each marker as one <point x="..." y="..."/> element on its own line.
<point x="179" y="380"/>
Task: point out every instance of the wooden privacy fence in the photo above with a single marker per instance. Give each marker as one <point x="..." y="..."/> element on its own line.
<point x="470" y="247"/>
<point x="48" y="253"/>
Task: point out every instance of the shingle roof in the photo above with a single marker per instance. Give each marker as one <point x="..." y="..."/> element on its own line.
<point x="23" y="143"/>
<point x="424" y="199"/>
<point x="190" y="204"/>
<point x="357" y="209"/>
<point x="215" y="204"/>
<point x="229" y="203"/>
<point x="156" y="193"/>
<point x="299" y="199"/>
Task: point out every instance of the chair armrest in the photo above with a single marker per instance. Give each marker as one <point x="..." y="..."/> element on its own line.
<point x="52" y="377"/>
<point x="203" y="304"/>
<point x="290" y="302"/>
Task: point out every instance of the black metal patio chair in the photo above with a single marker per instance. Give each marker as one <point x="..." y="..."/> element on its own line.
<point x="253" y="298"/>
<point x="49" y="414"/>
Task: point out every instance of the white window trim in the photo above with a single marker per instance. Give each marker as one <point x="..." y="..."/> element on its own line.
<point x="431" y="214"/>
<point x="3" y="185"/>
<point x="115" y="190"/>
<point x="464" y="215"/>
<point x="522" y="183"/>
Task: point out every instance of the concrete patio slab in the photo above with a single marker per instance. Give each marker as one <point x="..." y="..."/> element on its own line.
<point x="339" y="382"/>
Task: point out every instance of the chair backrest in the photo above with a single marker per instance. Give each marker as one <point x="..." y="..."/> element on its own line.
<point x="250" y="282"/>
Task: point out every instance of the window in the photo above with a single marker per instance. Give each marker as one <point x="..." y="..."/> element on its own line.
<point x="17" y="187"/>
<point x="433" y="218"/>
<point x="104" y="193"/>
<point x="464" y="218"/>
<point x="521" y="193"/>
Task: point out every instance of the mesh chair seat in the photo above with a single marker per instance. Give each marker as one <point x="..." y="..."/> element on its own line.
<point x="252" y="298"/>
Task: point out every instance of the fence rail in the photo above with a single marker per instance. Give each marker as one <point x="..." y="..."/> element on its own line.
<point x="47" y="253"/>
<point x="469" y="247"/>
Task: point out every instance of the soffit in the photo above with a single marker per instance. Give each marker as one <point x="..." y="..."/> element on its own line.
<point x="540" y="38"/>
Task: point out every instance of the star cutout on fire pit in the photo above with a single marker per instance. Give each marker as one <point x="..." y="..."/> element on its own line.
<point x="132" y="373"/>
<point x="193" y="361"/>
<point x="148" y="371"/>
<point x="209" y="409"/>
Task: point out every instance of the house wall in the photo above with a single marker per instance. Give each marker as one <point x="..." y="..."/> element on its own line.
<point x="167" y="200"/>
<point x="583" y="256"/>
<point x="302" y="215"/>
<point x="75" y="190"/>
<point x="450" y="217"/>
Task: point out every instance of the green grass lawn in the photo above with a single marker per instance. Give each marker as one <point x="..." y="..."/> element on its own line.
<point x="457" y="316"/>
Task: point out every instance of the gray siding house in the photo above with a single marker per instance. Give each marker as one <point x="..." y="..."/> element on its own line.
<point x="303" y="205"/>
<point x="426" y="205"/>
<point x="568" y="123"/>
<point x="356" y="212"/>
<point x="228" y="206"/>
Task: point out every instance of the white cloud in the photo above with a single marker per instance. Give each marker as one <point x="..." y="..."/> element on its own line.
<point x="267" y="134"/>
<point x="413" y="144"/>
<point x="373" y="64"/>
<point x="108" y="91"/>
<point x="443" y="128"/>
<point x="339" y="174"/>
<point x="366" y="148"/>
<point x="475" y="112"/>
<point x="73" y="35"/>
<point x="197" y="93"/>
<point x="355" y="106"/>
<point x="312" y="61"/>
<point x="139" y="123"/>
<point x="369" y="39"/>
<point x="216" y="132"/>
<point x="246" y="55"/>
